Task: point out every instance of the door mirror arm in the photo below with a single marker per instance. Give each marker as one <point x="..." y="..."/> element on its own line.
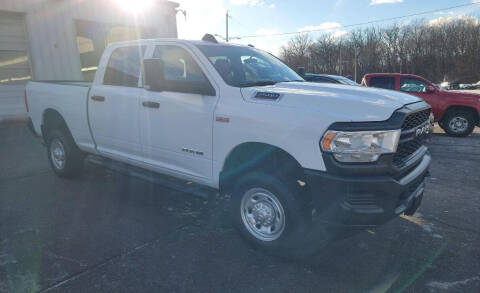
<point x="430" y="89"/>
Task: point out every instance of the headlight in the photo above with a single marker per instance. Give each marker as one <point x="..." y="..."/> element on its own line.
<point x="360" y="146"/>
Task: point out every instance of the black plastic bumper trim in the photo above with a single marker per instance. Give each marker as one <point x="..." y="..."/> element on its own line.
<point x="331" y="193"/>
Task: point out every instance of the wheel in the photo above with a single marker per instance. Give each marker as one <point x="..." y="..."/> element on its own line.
<point x="271" y="215"/>
<point x="458" y="123"/>
<point x="63" y="154"/>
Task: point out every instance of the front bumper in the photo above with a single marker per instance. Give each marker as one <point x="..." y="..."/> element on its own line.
<point x="372" y="200"/>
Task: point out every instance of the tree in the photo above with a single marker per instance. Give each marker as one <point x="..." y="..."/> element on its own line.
<point x="438" y="50"/>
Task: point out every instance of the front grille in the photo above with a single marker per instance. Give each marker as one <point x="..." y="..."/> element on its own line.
<point x="361" y="199"/>
<point x="409" y="144"/>
<point x="416" y="119"/>
<point x="405" y="150"/>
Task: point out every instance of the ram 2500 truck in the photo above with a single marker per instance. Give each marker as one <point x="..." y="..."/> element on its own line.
<point x="457" y="113"/>
<point x="297" y="158"/>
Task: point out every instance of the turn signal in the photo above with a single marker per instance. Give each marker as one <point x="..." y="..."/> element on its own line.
<point x="327" y="139"/>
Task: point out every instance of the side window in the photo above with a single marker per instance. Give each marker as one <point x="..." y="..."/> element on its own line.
<point x="383" y="82"/>
<point x="179" y="66"/>
<point x="124" y="66"/>
<point x="413" y="85"/>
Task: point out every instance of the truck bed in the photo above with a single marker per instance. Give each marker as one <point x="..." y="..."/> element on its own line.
<point x="69" y="99"/>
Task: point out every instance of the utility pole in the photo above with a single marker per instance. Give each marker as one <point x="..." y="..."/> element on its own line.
<point x="341" y="60"/>
<point x="226" y="29"/>
<point x="356" y="61"/>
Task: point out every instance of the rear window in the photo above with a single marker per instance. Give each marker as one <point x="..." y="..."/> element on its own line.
<point x="383" y="82"/>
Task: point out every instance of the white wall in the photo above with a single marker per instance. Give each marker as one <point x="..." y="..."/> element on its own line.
<point x="52" y="43"/>
<point x="52" y="36"/>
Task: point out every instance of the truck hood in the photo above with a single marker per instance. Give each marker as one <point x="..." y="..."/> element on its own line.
<point x="346" y="103"/>
<point x="462" y="95"/>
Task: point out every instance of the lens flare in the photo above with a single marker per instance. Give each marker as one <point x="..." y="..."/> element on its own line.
<point x="135" y="6"/>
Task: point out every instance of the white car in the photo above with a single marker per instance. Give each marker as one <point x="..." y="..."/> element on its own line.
<point x="302" y="161"/>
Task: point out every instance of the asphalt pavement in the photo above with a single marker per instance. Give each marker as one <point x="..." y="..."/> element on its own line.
<point x="107" y="231"/>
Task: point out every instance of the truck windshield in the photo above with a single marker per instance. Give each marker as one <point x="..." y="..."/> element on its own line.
<point x="246" y="66"/>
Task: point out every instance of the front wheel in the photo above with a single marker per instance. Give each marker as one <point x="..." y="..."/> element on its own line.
<point x="63" y="154"/>
<point x="273" y="215"/>
<point x="458" y="123"/>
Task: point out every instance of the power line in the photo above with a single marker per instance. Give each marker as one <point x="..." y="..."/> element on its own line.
<point x="361" y="23"/>
<point x="234" y="18"/>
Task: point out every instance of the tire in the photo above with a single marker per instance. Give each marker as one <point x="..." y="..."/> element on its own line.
<point x="65" y="158"/>
<point x="276" y="202"/>
<point x="458" y="123"/>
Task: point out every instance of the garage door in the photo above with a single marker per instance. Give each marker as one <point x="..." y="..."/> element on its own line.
<point x="14" y="65"/>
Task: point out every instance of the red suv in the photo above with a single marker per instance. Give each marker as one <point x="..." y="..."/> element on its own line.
<point x="456" y="112"/>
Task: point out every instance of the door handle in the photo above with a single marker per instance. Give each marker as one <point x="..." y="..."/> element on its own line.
<point x="150" y="104"/>
<point x="98" y="98"/>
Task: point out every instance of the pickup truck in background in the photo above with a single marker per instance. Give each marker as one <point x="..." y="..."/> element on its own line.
<point x="457" y="113"/>
<point x="301" y="161"/>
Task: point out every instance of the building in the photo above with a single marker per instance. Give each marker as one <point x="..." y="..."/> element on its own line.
<point x="64" y="39"/>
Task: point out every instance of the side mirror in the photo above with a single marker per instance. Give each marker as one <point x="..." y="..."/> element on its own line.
<point x="301" y="71"/>
<point x="430" y="89"/>
<point x="153" y="75"/>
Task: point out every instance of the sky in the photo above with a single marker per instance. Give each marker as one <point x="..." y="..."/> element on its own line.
<point x="266" y="17"/>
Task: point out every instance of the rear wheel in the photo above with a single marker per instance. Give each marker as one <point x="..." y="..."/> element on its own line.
<point x="458" y="123"/>
<point x="272" y="215"/>
<point x="63" y="154"/>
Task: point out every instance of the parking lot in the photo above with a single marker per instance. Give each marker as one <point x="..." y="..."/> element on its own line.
<point x="110" y="232"/>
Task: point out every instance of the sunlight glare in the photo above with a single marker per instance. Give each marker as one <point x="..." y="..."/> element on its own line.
<point x="135" y="6"/>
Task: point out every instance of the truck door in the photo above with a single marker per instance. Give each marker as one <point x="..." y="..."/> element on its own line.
<point x="113" y="104"/>
<point x="417" y="87"/>
<point x="177" y="122"/>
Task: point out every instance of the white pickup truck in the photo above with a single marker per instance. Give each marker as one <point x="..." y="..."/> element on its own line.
<point x="302" y="161"/>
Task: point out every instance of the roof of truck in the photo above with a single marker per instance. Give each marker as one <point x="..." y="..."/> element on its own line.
<point x="181" y="41"/>
<point x="391" y="74"/>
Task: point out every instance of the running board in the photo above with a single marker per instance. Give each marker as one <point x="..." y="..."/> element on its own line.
<point x="152" y="177"/>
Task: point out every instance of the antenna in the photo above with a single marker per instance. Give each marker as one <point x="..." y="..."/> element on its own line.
<point x="209" y="38"/>
<point x="226" y="28"/>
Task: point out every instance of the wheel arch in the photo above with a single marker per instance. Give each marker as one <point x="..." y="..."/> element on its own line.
<point x="52" y="119"/>
<point x="257" y="156"/>
<point x="469" y="109"/>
